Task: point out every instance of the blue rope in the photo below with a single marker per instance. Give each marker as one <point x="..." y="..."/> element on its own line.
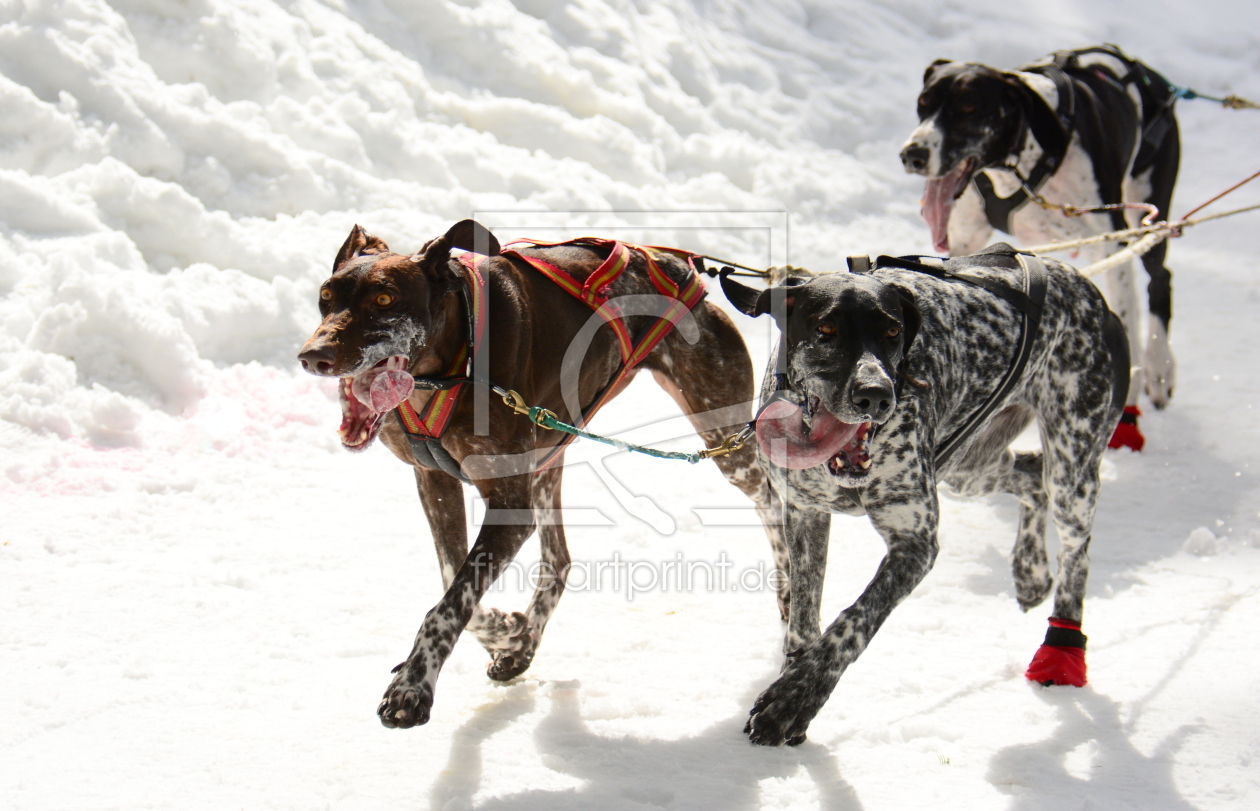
<point x="1231" y="101"/>
<point x="544" y="418"/>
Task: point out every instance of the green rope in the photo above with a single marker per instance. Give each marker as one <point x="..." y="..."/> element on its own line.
<point x="546" y="419"/>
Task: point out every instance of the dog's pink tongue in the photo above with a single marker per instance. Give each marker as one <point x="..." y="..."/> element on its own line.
<point x="938" y="200"/>
<point x="782" y="437"/>
<point x="391" y="388"/>
<point x="383" y="389"/>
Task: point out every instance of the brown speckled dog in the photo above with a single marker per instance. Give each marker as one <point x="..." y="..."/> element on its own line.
<point x="388" y="317"/>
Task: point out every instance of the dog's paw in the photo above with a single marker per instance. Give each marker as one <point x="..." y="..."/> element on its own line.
<point x="1159" y="387"/>
<point x="499" y="630"/>
<point x="1058" y="666"/>
<point x="1032" y="592"/>
<point x="507" y="665"/>
<point x="1061" y="658"/>
<point x="782" y="713"/>
<point x="510" y="641"/>
<point x="407" y="701"/>
<point x="1127" y="433"/>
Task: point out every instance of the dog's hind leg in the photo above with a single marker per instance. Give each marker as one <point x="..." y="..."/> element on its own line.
<point x="1155" y="186"/>
<point x="712" y="382"/>
<point x="1074" y="487"/>
<point x="742" y="469"/>
<point x="990" y="467"/>
<point x="514" y="652"/>
<point x="1072" y="443"/>
<point x="1030" y="568"/>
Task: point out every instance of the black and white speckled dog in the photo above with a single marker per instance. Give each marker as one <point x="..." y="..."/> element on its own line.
<point x="893" y="381"/>
<point x="1083" y="128"/>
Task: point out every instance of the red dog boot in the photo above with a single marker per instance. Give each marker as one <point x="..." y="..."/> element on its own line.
<point x="1061" y="658"/>
<point x="1127" y="434"/>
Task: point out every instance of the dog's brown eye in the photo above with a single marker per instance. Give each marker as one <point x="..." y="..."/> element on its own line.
<point x="325" y="295"/>
<point x="384" y="300"/>
<point x="826" y="329"/>
<point x="894" y="332"/>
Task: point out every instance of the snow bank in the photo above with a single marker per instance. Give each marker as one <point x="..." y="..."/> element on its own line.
<point x="202" y="592"/>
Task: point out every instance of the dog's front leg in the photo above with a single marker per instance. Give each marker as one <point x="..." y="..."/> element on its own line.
<point x="509" y="522"/>
<point x="443" y="500"/>
<point x="782" y="713"/>
<point x="807" y="533"/>
<point x="442" y="497"/>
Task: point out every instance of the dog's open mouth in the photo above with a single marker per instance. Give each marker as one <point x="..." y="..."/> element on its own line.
<point x="938" y="201"/>
<point x="798" y="438"/>
<point x="368" y="396"/>
<point x="854" y="459"/>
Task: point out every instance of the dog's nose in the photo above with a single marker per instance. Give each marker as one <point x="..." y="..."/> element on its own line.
<point x="915" y="158"/>
<point x="318" y="360"/>
<point x="877" y="401"/>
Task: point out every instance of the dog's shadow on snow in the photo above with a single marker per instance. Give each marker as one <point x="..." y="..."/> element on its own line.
<point x="717" y="768"/>
<point x="1089" y="759"/>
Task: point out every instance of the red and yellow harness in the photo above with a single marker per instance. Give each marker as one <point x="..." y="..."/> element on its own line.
<point x="425" y="428"/>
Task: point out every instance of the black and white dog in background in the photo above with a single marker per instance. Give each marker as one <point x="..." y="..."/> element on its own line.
<point x="915" y="374"/>
<point x="1083" y="128"/>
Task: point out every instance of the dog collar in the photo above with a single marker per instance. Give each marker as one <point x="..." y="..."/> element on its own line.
<point x="425" y="428"/>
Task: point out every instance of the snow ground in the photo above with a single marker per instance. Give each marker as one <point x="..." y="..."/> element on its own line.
<point x="202" y="594"/>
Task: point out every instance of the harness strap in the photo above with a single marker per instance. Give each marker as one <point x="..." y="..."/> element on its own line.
<point x="1031" y="304"/>
<point x="1157" y="93"/>
<point x="1158" y="97"/>
<point x="594" y="290"/>
<point x="424" y="429"/>
<point x="1035" y="284"/>
<point x="594" y="293"/>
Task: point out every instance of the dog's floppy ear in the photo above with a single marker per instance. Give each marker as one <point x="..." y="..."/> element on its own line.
<point x="747" y="300"/>
<point x="1042" y="119"/>
<point x="911" y="319"/>
<point x="467" y="235"/>
<point x="759" y="302"/>
<point x="470" y="235"/>
<point x="358" y="243"/>
<point x="927" y="74"/>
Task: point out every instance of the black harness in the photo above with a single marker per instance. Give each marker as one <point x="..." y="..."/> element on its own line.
<point x="1053" y="129"/>
<point x="1030" y="302"/>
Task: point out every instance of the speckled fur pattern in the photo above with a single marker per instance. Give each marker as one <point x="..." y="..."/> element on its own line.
<point x="376" y="295"/>
<point x="964" y="346"/>
<point x="1097" y="169"/>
